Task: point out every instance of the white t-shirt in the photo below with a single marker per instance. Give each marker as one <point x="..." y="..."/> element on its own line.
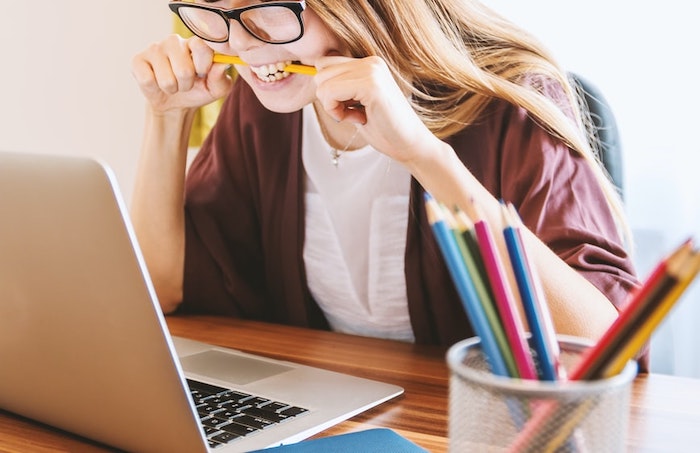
<point x="356" y="220"/>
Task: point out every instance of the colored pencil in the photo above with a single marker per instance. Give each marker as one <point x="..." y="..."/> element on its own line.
<point x="532" y="297"/>
<point x="643" y="302"/>
<point x="464" y="286"/>
<point x="503" y="296"/>
<point x="483" y="290"/>
<point x="539" y="319"/>
<point x="643" y="333"/>
<point x="296" y="68"/>
<point x="623" y="339"/>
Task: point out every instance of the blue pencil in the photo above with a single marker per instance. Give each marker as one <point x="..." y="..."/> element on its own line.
<point x="464" y="285"/>
<point x="477" y="274"/>
<point x="535" y="311"/>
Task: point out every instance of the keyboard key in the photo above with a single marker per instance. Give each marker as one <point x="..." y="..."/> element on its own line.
<point x="293" y="411"/>
<point x="208" y="408"/>
<point x="205" y="388"/>
<point x="208" y="430"/>
<point x="227" y="414"/>
<point x="237" y="428"/>
<point x="267" y="415"/>
<point x="225" y="437"/>
<point x="257" y="401"/>
<point x="237" y="396"/>
<point x="254" y="422"/>
<point x="234" y="406"/>
<point x="275" y="406"/>
<point x="213" y="422"/>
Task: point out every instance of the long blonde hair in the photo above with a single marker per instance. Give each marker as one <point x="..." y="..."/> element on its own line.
<point x="454" y="57"/>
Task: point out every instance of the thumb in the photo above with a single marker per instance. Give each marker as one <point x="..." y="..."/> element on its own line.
<point x="219" y="82"/>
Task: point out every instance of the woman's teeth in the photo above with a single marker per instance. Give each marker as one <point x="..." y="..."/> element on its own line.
<point x="271" y="72"/>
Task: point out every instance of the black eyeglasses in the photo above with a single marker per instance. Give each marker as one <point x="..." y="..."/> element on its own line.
<point x="271" y="22"/>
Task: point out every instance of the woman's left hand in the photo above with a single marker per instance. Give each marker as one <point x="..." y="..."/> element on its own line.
<point x="363" y="91"/>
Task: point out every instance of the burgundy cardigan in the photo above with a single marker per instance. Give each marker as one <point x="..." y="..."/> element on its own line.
<point x="245" y="218"/>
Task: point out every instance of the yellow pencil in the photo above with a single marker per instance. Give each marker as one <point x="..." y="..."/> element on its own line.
<point x="690" y="268"/>
<point x="296" y="68"/>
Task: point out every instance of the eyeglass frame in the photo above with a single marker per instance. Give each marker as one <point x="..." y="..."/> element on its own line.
<point x="228" y="15"/>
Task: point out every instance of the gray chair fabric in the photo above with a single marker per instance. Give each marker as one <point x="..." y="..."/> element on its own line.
<point x="605" y="128"/>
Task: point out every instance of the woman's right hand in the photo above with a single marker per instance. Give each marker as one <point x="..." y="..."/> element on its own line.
<point x="178" y="74"/>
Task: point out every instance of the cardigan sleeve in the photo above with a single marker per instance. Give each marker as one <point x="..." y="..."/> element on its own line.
<point x="560" y="199"/>
<point x="223" y="262"/>
<point x="555" y="191"/>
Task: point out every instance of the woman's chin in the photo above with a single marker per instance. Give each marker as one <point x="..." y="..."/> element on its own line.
<point x="283" y="96"/>
<point x="281" y="107"/>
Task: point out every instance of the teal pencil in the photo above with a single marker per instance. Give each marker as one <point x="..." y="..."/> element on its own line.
<point x="484" y="293"/>
<point x="464" y="286"/>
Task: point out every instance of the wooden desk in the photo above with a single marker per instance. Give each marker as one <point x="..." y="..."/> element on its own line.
<point x="665" y="411"/>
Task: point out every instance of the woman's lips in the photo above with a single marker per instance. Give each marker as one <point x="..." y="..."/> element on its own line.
<point x="271" y="72"/>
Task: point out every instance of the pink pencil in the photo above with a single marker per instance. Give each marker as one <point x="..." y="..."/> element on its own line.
<point x="504" y="297"/>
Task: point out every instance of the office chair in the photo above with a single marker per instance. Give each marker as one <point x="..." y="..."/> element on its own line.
<point x="605" y="128"/>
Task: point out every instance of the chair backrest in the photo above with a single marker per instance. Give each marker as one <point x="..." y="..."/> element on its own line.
<point x="605" y="128"/>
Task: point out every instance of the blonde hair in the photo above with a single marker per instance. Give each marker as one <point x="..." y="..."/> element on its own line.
<point x="454" y="57"/>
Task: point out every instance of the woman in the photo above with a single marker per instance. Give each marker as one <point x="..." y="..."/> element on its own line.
<point x="304" y="205"/>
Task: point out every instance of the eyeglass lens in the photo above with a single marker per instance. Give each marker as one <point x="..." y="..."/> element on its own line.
<point x="268" y="23"/>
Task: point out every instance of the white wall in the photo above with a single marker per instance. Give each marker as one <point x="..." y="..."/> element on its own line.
<point x="65" y="83"/>
<point x="66" y="87"/>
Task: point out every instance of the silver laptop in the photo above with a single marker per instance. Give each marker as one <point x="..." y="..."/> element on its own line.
<point x="84" y="345"/>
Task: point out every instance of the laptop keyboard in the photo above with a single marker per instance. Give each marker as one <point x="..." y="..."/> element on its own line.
<point x="227" y="415"/>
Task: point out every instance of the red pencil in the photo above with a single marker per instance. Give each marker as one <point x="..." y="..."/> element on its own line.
<point x="643" y="332"/>
<point x="595" y="359"/>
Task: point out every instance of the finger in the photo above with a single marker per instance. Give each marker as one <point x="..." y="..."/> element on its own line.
<point x="341" y="98"/>
<point x="331" y="60"/>
<point x="161" y="75"/>
<point x="354" y="112"/>
<point x="328" y="68"/>
<point x="142" y="71"/>
<point x="181" y="68"/>
<point x="201" y="55"/>
<point x="218" y="81"/>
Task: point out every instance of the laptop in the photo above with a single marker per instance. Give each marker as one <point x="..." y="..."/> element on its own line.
<point x="84" y="346"/>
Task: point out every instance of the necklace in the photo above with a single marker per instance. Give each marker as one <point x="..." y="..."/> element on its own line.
<point x="335" y="152"/>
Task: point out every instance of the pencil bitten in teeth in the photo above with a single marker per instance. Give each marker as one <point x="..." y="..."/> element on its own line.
<point x="271" y="72"/>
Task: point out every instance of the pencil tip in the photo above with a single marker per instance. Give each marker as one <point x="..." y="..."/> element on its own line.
<point x="506" y="216"/>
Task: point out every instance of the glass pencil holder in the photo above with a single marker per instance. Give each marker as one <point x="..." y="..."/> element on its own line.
<point x="490" y="413"/>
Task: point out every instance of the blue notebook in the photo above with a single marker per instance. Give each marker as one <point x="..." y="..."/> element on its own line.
<point x="377" y="440"/>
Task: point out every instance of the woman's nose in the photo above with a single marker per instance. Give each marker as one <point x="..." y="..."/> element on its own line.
<point x="240" y="39"/>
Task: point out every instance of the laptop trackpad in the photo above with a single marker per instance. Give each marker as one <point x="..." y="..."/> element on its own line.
<point x="229" y="367"/>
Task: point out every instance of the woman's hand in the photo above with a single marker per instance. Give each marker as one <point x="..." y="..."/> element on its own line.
<point x="389" y="122"/>
<point x="178" y="74"/>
